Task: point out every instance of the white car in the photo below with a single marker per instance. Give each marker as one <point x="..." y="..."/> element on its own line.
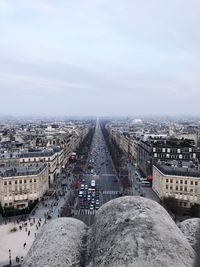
<point x="146" y="183"/>
<point x="92" y="183"/>
<point x="91" y="207"/>
<point x="82" y="186"/>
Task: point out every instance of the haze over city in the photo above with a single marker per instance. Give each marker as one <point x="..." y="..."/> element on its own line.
<point x="99" y="57"/>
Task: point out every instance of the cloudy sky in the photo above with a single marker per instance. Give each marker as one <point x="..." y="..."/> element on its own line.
<point x="99" y="57"/>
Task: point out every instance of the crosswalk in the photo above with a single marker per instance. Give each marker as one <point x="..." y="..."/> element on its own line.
<point x="84" y="212"/>
<point x="110" y="192"/>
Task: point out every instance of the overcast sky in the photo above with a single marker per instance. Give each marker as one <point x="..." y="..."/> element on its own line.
<point x="99" y="57"/>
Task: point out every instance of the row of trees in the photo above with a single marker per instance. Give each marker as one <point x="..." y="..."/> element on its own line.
<point x="119" y="160"/>
<point x="172" y="205"/>
<point x="83" y="152"/>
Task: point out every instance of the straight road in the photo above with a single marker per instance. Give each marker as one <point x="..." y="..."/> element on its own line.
<point x="105" y="177"/>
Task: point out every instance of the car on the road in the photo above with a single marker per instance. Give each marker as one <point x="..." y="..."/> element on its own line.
<point x="97" y="202"/>
<point x="92" y="201"/>
<point x="91" y="207"/>
<point x="92" y="183"/>
<point x="82" y="186"/>
<point x="97" y="206"/>
<point x="86" y="187"/>
<point x="80" y="194"/>
<point x="88" y="197"/>
<point x="145" y="183"/>
<point x="141" y="179"/>
<point x="87" y="206"/>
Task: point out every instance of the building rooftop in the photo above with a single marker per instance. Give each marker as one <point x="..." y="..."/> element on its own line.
<point x="178" y="168"/>
<point x="172" y="142"/>
<point x="21" y="170"/>
<point x="39" y="153"/>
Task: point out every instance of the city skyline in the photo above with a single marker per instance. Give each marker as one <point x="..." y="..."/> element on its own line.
<point x="99" y="58"/>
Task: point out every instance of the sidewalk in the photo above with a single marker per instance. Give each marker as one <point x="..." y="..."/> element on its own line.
<point x="18" y="241"/>
<point x="138" y="189"/>
<point x="15" y="240"/>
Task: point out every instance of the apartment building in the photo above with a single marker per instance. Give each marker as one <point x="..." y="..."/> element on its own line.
<point x="22" y="185"/>
<point x="49" y="156"/>
<point x="178" y="180"/>
<point x="153" y="150"/>
<point x="125" y="141"/>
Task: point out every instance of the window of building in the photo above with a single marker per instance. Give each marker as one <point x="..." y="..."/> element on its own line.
<point x="166" y="186"/>
<point x="10" y="182"/>
<point x="34" y="180"/>
<point x="176" y="181"/>
<point x="181" y="188"/>
<point x="176" y="187"/>
<point x="191" y="182"/>
<point x="5" y="183"/>
<point x="16" y="182"/>
<point x="185" y="188"/>
<point x="185" y="181"/>
<point x="20" y="181"/>
<point x="170" y="187"/>
<point x="181" y="181"/>
<point x="196" y="183"/>
<point x="30" y="180"/>
<point x="167" y="180"/>
<point x="171" y="180"/>
<point x="24" y="181"/>
<point x="191" y="190"/>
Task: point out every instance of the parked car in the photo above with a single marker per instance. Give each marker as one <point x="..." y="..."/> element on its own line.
<point x="145" y="183"/>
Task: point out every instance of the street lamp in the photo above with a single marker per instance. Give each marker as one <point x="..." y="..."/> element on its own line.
<point x="10" y="262"/>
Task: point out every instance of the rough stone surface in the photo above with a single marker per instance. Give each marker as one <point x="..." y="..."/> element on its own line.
<point x="137" y="232"/>
<point x="128" y="232"/>
<point x="190" y="229"/>
<point x="59" y="245"/>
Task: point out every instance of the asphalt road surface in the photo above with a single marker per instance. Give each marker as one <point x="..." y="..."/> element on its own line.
<point x="104" y="174"/>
